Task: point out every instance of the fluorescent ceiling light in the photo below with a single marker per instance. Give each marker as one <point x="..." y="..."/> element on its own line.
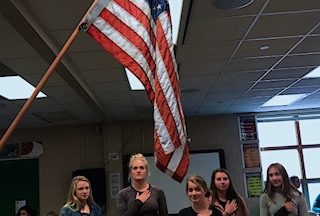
<point x="15" y="87"/>
<point x="283" y="100"/>
<point x="175" y="11"/>
<point x="134" y="82"/>
<point x="315" y="73"/>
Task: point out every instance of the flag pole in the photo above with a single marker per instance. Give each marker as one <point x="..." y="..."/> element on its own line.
<point x="45" y="78"/>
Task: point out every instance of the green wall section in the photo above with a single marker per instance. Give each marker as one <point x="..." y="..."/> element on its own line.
<point x="19" y="180"/>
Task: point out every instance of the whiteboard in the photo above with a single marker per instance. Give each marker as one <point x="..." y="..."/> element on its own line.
<point x="201" y="163"/>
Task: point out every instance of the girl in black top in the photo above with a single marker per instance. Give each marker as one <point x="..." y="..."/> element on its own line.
<point x="197" y="192"/>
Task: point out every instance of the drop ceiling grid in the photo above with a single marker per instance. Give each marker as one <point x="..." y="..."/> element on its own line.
<point x="292" y="5"/>
<point x="222" y="29"/>
<point x="279" y="25"/>
<point x="206" y="9"/>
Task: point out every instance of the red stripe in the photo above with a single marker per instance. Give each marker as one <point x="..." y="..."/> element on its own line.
<point x="122" y="57"/>
<point x="139" y="15"/>
<point x="131" y="35"/>
<point x="163" y="161"/>
<point x="161" y="100"/>
<point x="166" y="113"/>
<point x="166" y="55"/>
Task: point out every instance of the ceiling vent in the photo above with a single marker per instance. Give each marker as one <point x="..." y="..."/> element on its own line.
<point x="232" y="4"/>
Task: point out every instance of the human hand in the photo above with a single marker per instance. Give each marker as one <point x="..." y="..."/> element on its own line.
<point x="144" y="196"/>
<point x="231" y="206"/>
<point x="288" y="206"/>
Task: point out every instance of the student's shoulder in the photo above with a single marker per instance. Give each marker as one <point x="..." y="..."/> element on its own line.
<point x="156" y="188"/>
<point x="66" y="210"/>
<point x="264" y="196"/>
<point x="125" y="190"/>
<point x="96" y="208"/>
<point x="186" y="211"/>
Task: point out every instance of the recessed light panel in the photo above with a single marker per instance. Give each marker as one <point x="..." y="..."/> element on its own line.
<point x="283" y="100"/>
<point x="15" y="87"/>
<point x="315" y="73"/>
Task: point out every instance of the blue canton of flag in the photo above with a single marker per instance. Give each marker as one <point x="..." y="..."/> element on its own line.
<point x="158" y="6"/>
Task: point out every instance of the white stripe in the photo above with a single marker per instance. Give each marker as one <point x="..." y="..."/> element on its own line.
<point x="162" y="131"/>
<point x="174" y="103"/>
<point x="165" y="21"/>
<point x="132" y="23"/>
<point x="126" y="45"/>
<point x="145" y="7"/>
<point x="166" y="86"/>
<point x="176" y="158"/>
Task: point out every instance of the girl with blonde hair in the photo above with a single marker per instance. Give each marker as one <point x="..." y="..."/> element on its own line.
<point x="80" y="201"/>
<point x="140" y="198"/>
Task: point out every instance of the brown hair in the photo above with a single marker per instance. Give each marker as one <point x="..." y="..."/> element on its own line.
<point x="198" y="180"/>
<point x="286" y="189"/>
<point x="231" y="193"/>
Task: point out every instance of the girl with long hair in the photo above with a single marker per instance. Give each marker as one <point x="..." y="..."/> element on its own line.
<point x="80" y="200"/>
<point x="225" y="196"/>
<point x="280" y="197"/>
<point x="199" y="195"/>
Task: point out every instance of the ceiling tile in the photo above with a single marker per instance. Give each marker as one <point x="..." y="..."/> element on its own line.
<point x="222" y="29"/>
<point x="279" y="25"/>
<point x="308" y="45"/>
<point x="287" y="73"/>
<point x="251" y="48"/>
<point x="292" y="5"/>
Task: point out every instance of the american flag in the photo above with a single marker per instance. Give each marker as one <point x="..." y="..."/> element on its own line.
<point x="138" y="34"/>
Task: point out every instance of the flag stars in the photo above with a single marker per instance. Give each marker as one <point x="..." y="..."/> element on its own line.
<point x="158" y="7"/>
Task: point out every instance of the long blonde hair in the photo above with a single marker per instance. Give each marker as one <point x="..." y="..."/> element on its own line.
<point x="73" y="201"/>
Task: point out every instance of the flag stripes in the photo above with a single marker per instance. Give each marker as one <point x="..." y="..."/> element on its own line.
<point x="138" y="34"/>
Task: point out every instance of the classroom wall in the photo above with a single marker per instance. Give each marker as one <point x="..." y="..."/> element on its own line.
<point x="67" y="148"/>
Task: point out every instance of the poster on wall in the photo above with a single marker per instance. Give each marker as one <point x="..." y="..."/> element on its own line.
<point x="251" y="155"/>
<point x="248" y="130"/>
<point x="22" y="150"/>
<point x="254" y="184"/>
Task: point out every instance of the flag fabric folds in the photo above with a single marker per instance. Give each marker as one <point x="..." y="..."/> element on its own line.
<point x="138" y="34"/>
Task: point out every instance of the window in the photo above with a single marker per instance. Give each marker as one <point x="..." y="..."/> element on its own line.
<point x="277" y="133"/>
<point x="288" y="158"/>
<point x="310" y="131"/>
<point x="295" y="143"/>
<point x="314" y="190"/>
<point x="311" y="158"/>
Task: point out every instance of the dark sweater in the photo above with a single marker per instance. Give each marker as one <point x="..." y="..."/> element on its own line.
<point x="190" y="212"/>
<point x="128" y="205"/>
